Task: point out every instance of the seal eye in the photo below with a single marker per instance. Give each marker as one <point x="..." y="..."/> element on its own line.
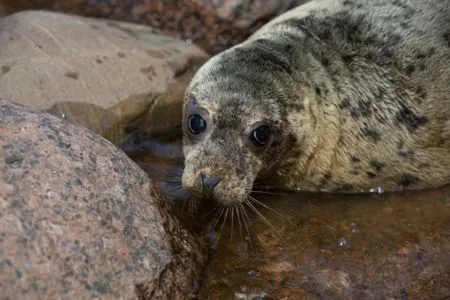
<point x="261" y="135"/>
<point x="196" y="124"/>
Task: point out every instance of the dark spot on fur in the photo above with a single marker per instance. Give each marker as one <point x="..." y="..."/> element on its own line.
<point x="369" y="55"/>
<point x="387" y="53"/>
<point x="421" y="92"/>
<point x="73" y="75"/>
<point x="447" y="38"/>
<point x="121" y="54"/>
<point x="410" y="69"/>
<point x="325" y="62"/>
<point x="348" y="58"/>
<point x="372" y="134"/>
<point x="318" y="91"/>
<point x="355" y="159"/>
<point x="408" y="118"/>
<point x="363" y="109"/>
<point x="400" y="4"/>
<point x="347" y="2"/>
<point x="394" y="39"/>
<point x="381" y="91"/>
<point x="99" y="61"/>
<point x="326" y="177"/>
<point x="371" y="174"/>
<point x="407" y="180"/>
<point x="423" y="55"/>
<point x="5" y="69"/>
<point x="345" y="103"/>
<point x="424" y="166"/>
<point x="289" y="49"/>
<point x="377" y="165"/>
<point x="295" y="105"/>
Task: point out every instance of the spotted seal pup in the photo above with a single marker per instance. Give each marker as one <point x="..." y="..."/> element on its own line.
<point x="331" y="96"/>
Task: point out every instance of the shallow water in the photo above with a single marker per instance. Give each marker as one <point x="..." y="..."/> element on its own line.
<point x="324" y="246"/>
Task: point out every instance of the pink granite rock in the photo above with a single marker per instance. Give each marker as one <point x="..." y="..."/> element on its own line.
<point x="79" y="219"/>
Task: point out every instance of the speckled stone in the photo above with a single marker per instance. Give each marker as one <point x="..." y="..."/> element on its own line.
<point x="79" y="219"/>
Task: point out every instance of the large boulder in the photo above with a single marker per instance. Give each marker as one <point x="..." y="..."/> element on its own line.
<point x="79" y="219"/>
<point x="103" y="75"/>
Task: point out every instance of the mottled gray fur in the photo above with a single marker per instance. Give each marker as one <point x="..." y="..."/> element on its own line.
<point x="356" y="93"/>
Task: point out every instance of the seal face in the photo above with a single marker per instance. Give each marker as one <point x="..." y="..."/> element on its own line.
<point x="331" y="96"/>
<point x="228" y="140"/>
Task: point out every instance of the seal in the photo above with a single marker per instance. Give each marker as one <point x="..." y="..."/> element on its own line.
<point x="331" y="96"/>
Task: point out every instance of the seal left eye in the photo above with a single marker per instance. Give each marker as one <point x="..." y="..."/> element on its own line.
<point x="196" y="124"/>
<point x="261" y="135"/>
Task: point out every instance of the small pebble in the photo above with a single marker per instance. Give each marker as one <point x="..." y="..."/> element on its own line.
<point x="354" y="228"/>
<point x="343" y="243"/>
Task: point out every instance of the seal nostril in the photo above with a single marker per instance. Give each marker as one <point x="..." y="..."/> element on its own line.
<point x="209" y="183"/>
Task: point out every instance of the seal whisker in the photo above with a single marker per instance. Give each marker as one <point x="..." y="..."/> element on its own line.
<point x="178" y="187"/>
<point x="245" y="220"/>
<point x="189" y="206"/>
<point x="192" y="205"/>
<point x="268" y="207"/>
<point x="227" y="210"/>
<point x="218" y="216"/>
<point x="259" y="213"/>
<point x="232" y="220"/>
<point x="238" y="212"/>
<point x="271" y="193"/>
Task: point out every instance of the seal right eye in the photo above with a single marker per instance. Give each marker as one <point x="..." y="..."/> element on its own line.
<point x="261" y="135"/>
<point x="196" y="124"/>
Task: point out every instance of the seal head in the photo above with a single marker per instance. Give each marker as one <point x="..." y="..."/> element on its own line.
<point x="233" y="127"/>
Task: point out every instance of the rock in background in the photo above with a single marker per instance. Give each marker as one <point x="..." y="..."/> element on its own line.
<point x="214" y="25"/>
<point x="79" y="219"/>
<point x="105" y="75"/>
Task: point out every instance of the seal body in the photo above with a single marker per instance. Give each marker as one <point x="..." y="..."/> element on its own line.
<point x="331" y="96"/>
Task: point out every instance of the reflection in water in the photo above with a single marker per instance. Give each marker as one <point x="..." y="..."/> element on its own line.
<point x="322" y="246"/>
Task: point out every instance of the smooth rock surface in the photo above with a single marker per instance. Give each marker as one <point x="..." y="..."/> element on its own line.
<point x="80" y="220"/>
<point x="100" y="74"/>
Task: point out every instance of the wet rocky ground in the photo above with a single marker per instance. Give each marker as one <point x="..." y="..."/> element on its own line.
<point x="318" y="246"/>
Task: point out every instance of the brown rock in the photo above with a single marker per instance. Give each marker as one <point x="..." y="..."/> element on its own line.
<point x="96" y="73"/>
<point x="215" y="25"/>
<point x="80" y="220"/>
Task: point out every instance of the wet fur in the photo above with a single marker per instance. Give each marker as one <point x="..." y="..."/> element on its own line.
<point x="358" y="94"/>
